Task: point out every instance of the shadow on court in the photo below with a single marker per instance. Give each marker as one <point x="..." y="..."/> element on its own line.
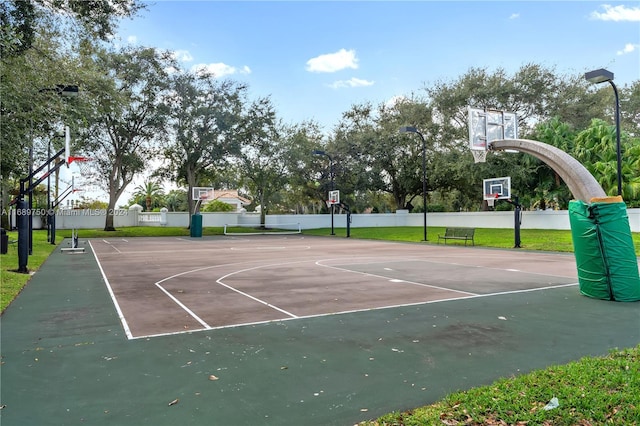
<point x="426" y="321"/>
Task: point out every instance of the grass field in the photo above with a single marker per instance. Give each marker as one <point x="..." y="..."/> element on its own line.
<point x="591" y="391"/>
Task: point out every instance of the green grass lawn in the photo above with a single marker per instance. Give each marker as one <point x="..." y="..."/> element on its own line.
<point x="591" y="391"/>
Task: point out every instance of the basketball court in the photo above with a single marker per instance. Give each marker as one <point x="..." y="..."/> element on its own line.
<point x="285" y="330"/>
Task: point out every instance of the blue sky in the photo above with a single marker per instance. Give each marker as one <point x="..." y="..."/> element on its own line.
<point x="317" y="59"/>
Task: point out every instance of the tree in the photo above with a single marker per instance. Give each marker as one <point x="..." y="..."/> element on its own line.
<point x="204" y="115"/>
<point x="32" y="115"/>
<point x="20" y="20"/>
<point x="595" y="147"/>
<point x="176" y="201"/>
<point x="374" y="156"/>
<point x="546" y="183"/>
<point x="128" y="115"/>
<point x="218" y="206"/>
<point x="264" y="154"/>
<point x="150" y="191"/>
<point x="308" y="174"/>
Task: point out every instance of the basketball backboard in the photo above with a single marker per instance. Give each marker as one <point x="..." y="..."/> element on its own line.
<point x="334" y="197"/>
<point x="202" y="193"/>
<point x="497" y="188"/>
<point x="486" y="126"/>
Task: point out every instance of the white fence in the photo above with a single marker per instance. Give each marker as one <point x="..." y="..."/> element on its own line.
<point x="548" y="219"/>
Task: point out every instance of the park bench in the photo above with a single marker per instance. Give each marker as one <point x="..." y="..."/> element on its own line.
<point x="465" y="234"/>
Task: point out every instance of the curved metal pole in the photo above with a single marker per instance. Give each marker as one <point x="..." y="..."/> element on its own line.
<point x="581" y="183"/>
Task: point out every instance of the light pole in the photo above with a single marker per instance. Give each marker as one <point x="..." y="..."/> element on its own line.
<point x="600" y="76"/>
<point x="320" y="152"/>
<point x="411" y="129"/>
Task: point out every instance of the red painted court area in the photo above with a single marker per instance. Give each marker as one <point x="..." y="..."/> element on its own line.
<point x="174" y="285"/>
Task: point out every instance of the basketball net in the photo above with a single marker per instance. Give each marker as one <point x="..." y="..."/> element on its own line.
<point x="83" y="164"/>
<point x="479" y="155"/>
<point x="491" y="201"/>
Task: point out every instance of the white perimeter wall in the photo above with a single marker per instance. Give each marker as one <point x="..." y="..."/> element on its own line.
<point x="548" y="219"/>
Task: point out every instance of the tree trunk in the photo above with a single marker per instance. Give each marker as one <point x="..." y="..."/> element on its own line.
<point x="263" y="211"/>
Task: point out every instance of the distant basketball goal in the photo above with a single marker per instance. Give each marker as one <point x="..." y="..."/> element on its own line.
<point x="201" y="194"/>
<point x="496" y="189"/>
<point x="334" y="198"/>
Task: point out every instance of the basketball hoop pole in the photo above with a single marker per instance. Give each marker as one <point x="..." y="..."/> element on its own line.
<point x="320" y="152"/>
<point x="517" y="220"/>
<point x="24" y="220"/>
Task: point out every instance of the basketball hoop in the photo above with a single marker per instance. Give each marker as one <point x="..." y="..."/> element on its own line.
<point x="83" y="164"/>
<point x="491" y="201"/>
<point x="479" y="155"/>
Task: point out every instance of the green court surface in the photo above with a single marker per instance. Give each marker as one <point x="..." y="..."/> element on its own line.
<point x="67" y="358"/>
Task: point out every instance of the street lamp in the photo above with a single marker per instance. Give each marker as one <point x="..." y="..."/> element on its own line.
<point x="600" y="76"/>
<point x="320" y="152"/>
<point x="411" y="129"/>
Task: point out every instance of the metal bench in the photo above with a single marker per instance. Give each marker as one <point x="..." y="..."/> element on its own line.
<point x="465" y="234"/>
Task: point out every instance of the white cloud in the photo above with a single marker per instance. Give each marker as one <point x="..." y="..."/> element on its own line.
<point x="514" y="16"/>
<point x="132" y="39"/>
<point x="182" y="55"/>
<point x="628" y="48"/>
<point x="353" y="82"/>
<point x="221" y="69"/>
<point x="617" y="13"/>
<point x="332" y="62"/>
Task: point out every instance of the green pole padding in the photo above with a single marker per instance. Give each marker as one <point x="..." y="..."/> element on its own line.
<point x="617" y="247"/>
<point x="592" y="272"/>
<point x="603" y="247"/>
<point x="196" y="225"/>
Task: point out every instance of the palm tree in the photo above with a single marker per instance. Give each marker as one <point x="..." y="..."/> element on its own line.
<point x="149" y="190"/>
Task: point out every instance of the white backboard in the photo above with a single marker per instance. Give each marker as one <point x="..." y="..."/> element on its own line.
<point x="334" y="197"/>
<point x="202" y="193"/>
<point x="486" y="126"/>
<point x="497" y="188"/>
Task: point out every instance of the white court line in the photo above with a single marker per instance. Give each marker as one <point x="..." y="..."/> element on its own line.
<point x="123" y="320"/>
<point x="355" y="311"/>
<point x="219" y="281"/>
<point x="183" y="306"/>
<point x="390" y="279"/>
<point x="109" y="244"/>
<point x="420" y="259"/>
